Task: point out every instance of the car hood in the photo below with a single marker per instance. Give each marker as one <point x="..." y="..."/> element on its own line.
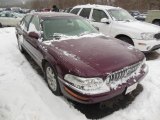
<point x="140" y="26"/>
<point x="94" y="56"/>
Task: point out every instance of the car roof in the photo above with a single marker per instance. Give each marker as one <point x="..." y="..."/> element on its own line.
<point x="52" y="14"/>
<point x="96" y="6"/>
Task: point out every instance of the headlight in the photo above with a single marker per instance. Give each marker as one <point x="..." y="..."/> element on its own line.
<point x="84" y="83"/>
<point x="147" y="36"/>
<point x="142" y="63"/>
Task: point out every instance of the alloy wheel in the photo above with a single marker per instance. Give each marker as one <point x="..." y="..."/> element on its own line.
<point x="51" y="78"/>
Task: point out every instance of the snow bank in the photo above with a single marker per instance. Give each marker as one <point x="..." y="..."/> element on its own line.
<point x="23" y="93"/>
<point x="18" y="100"/>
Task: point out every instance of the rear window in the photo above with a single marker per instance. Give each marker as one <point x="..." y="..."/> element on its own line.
<point x="75" y="11"/>
<point x="85" y="12"/>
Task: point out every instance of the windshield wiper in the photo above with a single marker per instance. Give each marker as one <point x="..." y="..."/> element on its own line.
<point x="58" y="36"/>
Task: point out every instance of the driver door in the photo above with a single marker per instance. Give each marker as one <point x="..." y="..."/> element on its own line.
<point x="32" y="44"/>
<point x="96" y="17"/>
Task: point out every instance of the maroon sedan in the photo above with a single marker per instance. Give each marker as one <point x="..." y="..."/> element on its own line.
<point x="77" y="60"/>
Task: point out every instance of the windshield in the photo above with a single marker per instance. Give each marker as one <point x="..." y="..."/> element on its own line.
<point x="55" y="28"/>
<point x="120" y="15"/>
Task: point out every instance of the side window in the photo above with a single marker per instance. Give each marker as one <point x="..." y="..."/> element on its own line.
<point x="75" y="11"/>
<point x="98" y="15"/>
<point x="25" y="22"/>
<point x="85" y="12"/>
<point x="34" y="25"/>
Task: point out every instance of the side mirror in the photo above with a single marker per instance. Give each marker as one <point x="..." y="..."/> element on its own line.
<point x="34" y="35"/>
<point x="105" y="20"/>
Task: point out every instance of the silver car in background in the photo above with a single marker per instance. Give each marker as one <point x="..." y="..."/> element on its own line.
<point x="9" y="18"/>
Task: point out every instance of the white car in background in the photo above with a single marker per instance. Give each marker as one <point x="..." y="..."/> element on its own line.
<point x="8" y="18"/>
<point x="118" y="23"/>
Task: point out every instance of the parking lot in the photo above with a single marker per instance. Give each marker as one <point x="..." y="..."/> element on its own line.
<point x="23" y="90"/>
<point x="79" y="59"/>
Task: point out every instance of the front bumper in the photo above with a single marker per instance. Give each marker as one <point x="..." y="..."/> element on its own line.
<point x="147" y="45"/>
<point x="72" y="94"/>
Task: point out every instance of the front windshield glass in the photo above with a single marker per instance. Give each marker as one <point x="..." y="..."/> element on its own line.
<point x="58" y="27"/>
<point x="120" y="15"/>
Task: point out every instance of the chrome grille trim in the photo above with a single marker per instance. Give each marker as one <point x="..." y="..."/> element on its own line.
<point x="123" y="73"/>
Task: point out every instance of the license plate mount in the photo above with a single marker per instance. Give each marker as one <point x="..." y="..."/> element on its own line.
<point x="131" y="88"/>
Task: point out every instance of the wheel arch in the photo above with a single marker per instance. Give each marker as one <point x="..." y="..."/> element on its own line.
<point x="123" y="35"/>
<point x="44" y="61"/>
<point x="56" y="91"/>
<point x="154" y="20"/>
<point x="53" y="64"/>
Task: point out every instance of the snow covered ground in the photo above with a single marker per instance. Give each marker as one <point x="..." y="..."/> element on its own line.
<point x="24" y="95"/>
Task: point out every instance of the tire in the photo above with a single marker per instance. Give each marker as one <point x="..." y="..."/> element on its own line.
<point x="52" y="80"/>
<point x="156" y="22"/>
<point x="126" y="39"/>
<point x="19" y="41"/>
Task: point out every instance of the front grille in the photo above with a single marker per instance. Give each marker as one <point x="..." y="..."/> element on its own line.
<point x="123" y="73"/>
<point x="157" y="36"/>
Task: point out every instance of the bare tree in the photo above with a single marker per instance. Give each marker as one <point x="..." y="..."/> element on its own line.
<point x="126" y="4"/>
